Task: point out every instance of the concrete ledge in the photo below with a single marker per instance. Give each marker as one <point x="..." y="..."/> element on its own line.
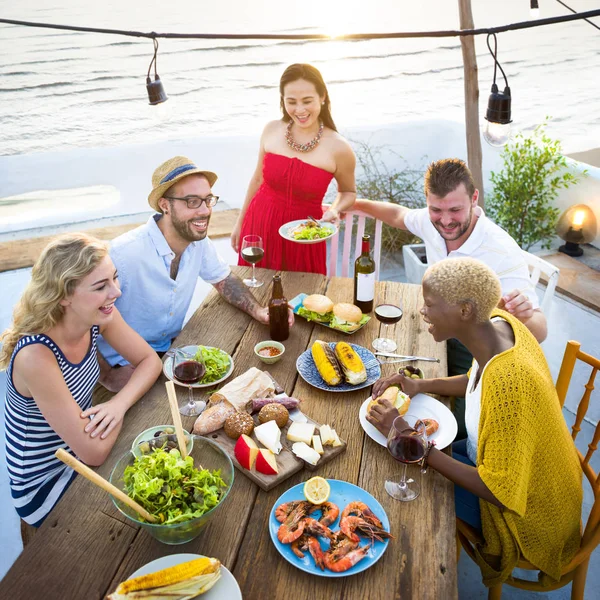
<point x="576" y="280"/>
<point x="22" y="253"/>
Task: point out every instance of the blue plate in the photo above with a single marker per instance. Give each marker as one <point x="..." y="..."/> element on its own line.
<point x="296" y="303"/>
<point x="342" y="493"/>
<point x="309" y="372"/>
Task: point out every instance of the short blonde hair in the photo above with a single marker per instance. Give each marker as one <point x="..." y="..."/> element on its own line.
<point x="458" y="280"/>
<point x="64" y="262"/>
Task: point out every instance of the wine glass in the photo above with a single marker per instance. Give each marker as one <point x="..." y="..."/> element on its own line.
<point x="386" y="314"/>
<point x="188" y="369"/>
<point x="406" y="446"/>
<point x="252" y="252"/>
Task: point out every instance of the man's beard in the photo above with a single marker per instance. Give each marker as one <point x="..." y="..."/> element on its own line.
<point x="458" y="232"/>
<point x="185" y="228"/>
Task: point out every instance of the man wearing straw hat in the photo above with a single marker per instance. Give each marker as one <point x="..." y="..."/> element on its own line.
<point x="158" y="264"/>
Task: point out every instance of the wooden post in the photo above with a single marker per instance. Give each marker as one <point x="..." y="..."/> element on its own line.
<point x="471" y="97"/>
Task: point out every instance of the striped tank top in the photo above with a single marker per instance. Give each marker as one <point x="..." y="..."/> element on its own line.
<point x="37" y="478"/>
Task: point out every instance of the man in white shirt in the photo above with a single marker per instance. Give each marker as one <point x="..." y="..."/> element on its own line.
<point x="158" y="264"/>
<point x="454" y="226"/>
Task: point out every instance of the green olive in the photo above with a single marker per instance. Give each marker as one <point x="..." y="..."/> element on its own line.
<point x="414" y="376"/>
<point x="144" y="447"/>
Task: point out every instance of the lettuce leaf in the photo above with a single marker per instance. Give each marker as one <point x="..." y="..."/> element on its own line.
<point x="216" y="362"/>
<point x="345" y="325"/>
<point x="313" y="316"/>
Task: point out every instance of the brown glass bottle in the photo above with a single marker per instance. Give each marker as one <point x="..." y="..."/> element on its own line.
<point x="278" y="312"/>
<point x="364" y="278"/>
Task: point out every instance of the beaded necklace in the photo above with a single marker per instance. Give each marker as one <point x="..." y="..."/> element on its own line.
<point x="294" y="145"/>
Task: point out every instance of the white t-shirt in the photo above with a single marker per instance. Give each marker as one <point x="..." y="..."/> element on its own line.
<point x="488" y="243"/>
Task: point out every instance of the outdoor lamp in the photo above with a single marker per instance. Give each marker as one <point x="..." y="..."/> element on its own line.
<point x="534" y="9"/>
<point x="497" y="128"/>
<point x="577" y="225"/>
<point x="156" y="91"/>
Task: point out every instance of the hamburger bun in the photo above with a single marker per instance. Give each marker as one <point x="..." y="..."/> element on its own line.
<point x="351" y="314"/>
<point x="396" y="397"/>
<point x="317" y="303"/>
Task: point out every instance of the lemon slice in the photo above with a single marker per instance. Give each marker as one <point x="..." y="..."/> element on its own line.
<point x="316" y="490"/>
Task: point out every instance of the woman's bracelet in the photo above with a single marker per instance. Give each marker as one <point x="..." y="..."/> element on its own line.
<point x="425" y="458"/>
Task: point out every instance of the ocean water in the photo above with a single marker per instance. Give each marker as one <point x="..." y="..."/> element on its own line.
<point x="64" y="90"/>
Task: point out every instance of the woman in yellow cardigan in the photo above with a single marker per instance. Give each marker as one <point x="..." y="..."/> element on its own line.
<point x="518" y="477"/>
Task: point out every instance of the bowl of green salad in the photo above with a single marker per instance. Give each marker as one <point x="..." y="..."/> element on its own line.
<point x="183" y="494"/>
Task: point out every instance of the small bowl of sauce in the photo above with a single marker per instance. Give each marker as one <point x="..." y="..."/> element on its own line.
<point x="269" y="351"/>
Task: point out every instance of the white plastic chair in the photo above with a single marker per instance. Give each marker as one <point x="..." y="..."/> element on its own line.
<point x="537" y="266"/>
<point x="346" y="259"/>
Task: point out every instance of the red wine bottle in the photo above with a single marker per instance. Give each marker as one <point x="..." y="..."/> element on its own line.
<point x="364" y="278"/>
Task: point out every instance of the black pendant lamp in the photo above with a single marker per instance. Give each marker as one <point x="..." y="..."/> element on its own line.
<point x="498" y="116"/>
<point x="156" y="90"/>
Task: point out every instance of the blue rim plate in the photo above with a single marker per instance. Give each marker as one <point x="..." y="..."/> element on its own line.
<point x="309" y="372"/>
<point x="342" y="493"/>
<point x="296" y="303"/>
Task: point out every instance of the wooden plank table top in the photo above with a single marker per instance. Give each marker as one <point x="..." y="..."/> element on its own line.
<point x="86" y="547"/>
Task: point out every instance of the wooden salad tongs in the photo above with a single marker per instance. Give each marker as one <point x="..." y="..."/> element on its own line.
<point x="92" y="476"/>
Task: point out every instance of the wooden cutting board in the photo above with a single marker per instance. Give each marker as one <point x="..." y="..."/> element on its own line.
<point x="287" y="462"/>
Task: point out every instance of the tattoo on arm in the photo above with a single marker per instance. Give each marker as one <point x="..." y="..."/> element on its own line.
<point x="237" y="294"/>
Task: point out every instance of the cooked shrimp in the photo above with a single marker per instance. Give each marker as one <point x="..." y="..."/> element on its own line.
<point x="283" y="510"/>
<point x="314" y="527"/>
<point x="329" y="513"/>
<point x="293" y="526"/>
<point x="360" y="509"/>
<point x="316" y="552"/>
<point x="333" y="563"/>
<point x="349" y="525"/>
<point x="340" y="544"/>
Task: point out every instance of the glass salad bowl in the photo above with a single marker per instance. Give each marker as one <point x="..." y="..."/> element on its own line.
<point x="156" y="483"/>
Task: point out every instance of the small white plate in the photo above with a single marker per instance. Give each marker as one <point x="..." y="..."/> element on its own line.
<point x="285" y="231"/>
<point x="168" y="369"/>
<point x="226" y="588"/>
<point x="423" y="407"/>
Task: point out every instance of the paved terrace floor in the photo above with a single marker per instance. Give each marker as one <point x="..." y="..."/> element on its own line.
<point x="567" y="321"/>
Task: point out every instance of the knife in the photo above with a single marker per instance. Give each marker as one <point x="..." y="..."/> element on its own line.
<point x="402" y="358"/>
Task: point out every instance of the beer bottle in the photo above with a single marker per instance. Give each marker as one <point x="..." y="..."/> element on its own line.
<point x="278" y="312"/>
<point x="364" y="278"/>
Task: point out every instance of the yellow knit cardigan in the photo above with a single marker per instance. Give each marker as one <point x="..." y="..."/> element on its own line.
<point x="527" y="459"/>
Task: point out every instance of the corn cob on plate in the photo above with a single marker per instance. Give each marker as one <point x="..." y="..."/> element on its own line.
<point x="305" y="364"/>
<point x="208" y="580"/>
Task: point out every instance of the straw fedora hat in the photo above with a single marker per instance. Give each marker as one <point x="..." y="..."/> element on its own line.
<point x="170" y="172"/>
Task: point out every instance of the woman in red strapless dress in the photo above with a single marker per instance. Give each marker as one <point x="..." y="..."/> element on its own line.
<point x="299" y="156"/>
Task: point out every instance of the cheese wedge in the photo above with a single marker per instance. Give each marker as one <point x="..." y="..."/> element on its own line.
<point x="326" y="435"/>
<point x="336" y="439"/>
<point x="269" y="435"/>
<point x="306" y="453"/>
<point x="301" y="432"/>
<point x="317" y="445"/>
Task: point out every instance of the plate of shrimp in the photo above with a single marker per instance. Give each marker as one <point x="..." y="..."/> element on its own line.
<point x="343" y="536"/>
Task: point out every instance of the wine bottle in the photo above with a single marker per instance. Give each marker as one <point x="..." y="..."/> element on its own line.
<point x="364" y="278"/>
<point x="278" y="312"/>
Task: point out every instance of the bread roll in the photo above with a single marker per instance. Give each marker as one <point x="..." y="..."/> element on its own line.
<point x="238" y="423"/>
<point x="274" y="412"/>
<point x="396" y="397"/>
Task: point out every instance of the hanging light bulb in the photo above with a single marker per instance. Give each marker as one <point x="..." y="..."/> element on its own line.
<point x="497" y="128"/>
<point x="156" y="92"/>
<point x="534" y="9"/>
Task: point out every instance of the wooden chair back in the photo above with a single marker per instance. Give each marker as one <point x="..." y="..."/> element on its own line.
<point x="347" y="259"/>
<point x="576" y="570"/>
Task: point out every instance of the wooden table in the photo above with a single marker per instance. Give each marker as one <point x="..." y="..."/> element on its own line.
<point x="86" y="547"/>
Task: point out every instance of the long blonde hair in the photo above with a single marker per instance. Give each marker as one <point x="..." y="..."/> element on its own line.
<point x="64" y="262"/>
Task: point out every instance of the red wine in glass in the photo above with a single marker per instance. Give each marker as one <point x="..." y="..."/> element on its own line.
<point x="387" y="314"/>
<point x="253" y="254"/>
<point x="406" y="446"/>
<point x="189" y="372"/>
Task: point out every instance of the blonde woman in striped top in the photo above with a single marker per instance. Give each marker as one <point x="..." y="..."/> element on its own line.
<point x="50" y="356"/>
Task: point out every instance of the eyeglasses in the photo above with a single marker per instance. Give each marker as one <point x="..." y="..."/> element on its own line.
<point x="196" y="201"/>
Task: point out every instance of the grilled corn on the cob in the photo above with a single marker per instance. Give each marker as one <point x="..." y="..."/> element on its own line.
<point x="183" y="581"/>
<point x="351" y="363"/>
<point x="326" y="363"/>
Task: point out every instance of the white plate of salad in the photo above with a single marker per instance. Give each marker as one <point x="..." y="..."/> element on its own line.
<point x="219" y="366"/>
<point x="305" y="231"/>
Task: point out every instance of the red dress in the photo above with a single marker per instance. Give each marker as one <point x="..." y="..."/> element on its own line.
<point x="291" y="190"/>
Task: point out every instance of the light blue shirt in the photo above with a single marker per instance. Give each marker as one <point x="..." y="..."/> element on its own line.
<point x="152" y="303"/>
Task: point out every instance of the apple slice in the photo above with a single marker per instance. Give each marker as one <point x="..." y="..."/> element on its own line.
<point x="245" y="451"/>
<point x="266" y="463"/>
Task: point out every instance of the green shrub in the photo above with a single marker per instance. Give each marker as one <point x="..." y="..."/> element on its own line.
<point x="522" y="200"/>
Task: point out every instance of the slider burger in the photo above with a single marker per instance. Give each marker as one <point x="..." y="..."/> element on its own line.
<point x="396" y="397"/>
<point x="346" y="317"/>
<point x="316" y="307"/>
